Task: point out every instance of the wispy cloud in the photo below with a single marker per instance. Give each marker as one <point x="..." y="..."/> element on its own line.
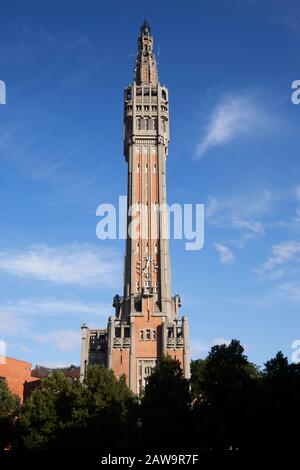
<point x="13" y="324"/>
<point x="251" y="225"/>
<point x="290" y="291"/>
<point x="64" y="340"/>
<point x="201" y="348"/>
<point x="281" y="254"/>
<point x="226" y="255"/>
<point x="233" y="116"/>
<point x="297" y="192"/>
<point x="241" y="213"/>
<point x="75" y="264"/>
<point x="22" y="318"/>
<point x="66" y="63"/>
<point x="31" y="308"/>
<point x="239" y="207"/>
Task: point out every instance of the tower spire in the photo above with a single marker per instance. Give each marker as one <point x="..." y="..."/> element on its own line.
<point x="146" y="325"/>
<point x="145" y="66"/>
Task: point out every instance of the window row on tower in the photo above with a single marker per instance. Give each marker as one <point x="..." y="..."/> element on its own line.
<point x="138" y="206"/>
<point x="148" y="334"/>
<point x="146" y="248"/>
<point x="147" y="286"/>
<point x="147" y="108"/>
<point x="146" y="167"/>
<point x="145" y="92"/>
<point x="146" y="123"/>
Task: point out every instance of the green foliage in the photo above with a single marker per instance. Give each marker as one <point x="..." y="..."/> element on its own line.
<point x="56" y="405"/>
<point x="281" y="387"/>
<point x="224" y="389"/>
<point x="9" y="405"/>
<point x="165" y="406"/>
<point x="277" y="368"/>
<point x="104" y="390"/>
<point x="8" y="402"/>
<point x="197" y="370"/>
<point x="228" y="404"/>
<point x="64" y="415"/>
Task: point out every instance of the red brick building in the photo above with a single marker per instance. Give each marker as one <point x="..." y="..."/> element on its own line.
<point x="16" y="373"/>
<point x="22" y="379"/>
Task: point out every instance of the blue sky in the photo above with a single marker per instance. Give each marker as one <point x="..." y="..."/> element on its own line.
<point x="234" y="146"/>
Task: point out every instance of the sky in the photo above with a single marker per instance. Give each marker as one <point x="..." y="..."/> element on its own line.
<point x="235" y="142"/>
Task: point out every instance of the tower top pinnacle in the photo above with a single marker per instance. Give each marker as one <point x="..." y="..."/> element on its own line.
<point x="145" y="66"/>
<point x="145" y="28"/>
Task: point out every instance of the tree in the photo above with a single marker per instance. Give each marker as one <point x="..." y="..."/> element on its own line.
<point x="111" y="412"/>
<point x="225" y="388"/>
<point x="165" y="407"/>
<point x="9" y="407"/>
<point x="66" y="415"/>
<point x="282" y="390"/>
<point x="51" y="409"/>
<point x="197" y="369"/>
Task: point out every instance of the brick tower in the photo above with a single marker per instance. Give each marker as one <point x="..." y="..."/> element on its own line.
<point x="146" y="324"/>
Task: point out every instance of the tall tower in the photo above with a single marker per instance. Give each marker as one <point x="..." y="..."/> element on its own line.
<point x="146" y="324"/>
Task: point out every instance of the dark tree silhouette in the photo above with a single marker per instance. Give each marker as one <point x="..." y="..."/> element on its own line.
<point x="228" y="404"/>
<point x="281" y="411"/>
<point x="165" y="407"/>
<point x="64" y="415"/>
<point x="9" y="406"/>
<point x="225" y="396"/>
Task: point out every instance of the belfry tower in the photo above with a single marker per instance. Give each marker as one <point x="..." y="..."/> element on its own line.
<point x="146" y="324"/>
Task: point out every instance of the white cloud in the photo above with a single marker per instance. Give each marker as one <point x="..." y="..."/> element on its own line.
<point x="201" y="348"/>
<point x="50" y="307"/>
<point x="240" y="207"/>
<point x="12" y="324"/>
<point x="77" y="264"/>
<point x="291" y="291"/>
<point x="25" y="349"/>
<point x="233" y="116"/>
<point x="297" y="218"/>
<point x="64" y="340"/>
<point x="20" y="317"/>
<point x="297" y="192"/>
<point x="226" y="255"/>
<point x="254" y="226"/>
<point x="282" y="253"/>
<point x="211" y="206"/>
<point x="221" y="340"/>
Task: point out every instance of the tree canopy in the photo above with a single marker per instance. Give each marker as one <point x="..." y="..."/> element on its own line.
<point x="229" y="403"/>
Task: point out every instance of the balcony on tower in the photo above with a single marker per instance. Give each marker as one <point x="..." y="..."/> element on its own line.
<point x="121" y="335"/>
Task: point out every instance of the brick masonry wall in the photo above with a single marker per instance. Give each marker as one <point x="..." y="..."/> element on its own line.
<point x="16" y="372"/>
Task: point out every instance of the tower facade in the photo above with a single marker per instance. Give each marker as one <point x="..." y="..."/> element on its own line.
<point x="146" y="324"/>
